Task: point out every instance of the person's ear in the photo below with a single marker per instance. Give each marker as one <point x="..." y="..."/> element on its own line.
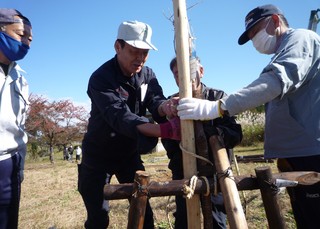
<point x="276" y="20"/>
<point x="277" y="24"/>
<point x="117" y="46"/>
<point x="201" y="71"/>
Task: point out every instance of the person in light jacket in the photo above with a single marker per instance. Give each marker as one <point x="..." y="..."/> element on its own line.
<point x="289" y="88"/>
<point x="15" y="40"/>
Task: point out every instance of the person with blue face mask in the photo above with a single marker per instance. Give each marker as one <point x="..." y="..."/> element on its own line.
<point x="15" y="39"/>
<point x="289" y="88"/>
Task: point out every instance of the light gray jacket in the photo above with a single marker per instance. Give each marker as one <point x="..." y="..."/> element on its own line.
<point x="14" y="92"/>
<point x="289" y="86"/>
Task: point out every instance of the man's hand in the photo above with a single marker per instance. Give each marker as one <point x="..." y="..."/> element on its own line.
<point x="169" y="107"/>
<point x="171" y="129"/>
<point x="198" y="109"/>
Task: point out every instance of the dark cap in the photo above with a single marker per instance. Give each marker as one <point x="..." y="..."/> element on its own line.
<point x="256" y="15"/>
<point x="7" y="16"/>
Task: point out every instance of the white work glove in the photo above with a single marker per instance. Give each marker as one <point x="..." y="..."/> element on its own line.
<point x="198" y="109"/>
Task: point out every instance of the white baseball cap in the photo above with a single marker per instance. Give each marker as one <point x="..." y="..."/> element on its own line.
<point x="136" y="34"/>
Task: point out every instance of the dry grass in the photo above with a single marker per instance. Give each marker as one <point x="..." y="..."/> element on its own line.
<point x="50" y="198"/>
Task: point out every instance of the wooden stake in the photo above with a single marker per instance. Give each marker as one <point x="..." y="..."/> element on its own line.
<point x="185" y="91"/>
<point x="269" y="194"/>
<point x="138" y="201"/>
<point x="231" y="198"/>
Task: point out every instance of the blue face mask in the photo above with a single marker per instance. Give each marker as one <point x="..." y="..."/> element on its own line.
<point x="11" y="48"/>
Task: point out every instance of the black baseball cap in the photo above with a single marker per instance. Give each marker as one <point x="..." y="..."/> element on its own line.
<point x="7" y="16"/>
<point x="254" y="16"/>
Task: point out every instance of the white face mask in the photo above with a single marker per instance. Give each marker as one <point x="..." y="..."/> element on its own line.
<point x="265" y="43"/>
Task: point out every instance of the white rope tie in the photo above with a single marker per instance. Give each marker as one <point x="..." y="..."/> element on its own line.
<point x="189" y="190"/>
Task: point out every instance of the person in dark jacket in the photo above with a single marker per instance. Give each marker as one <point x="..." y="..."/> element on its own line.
<point x="225" y="126"/>
<point x="121" y="91"/>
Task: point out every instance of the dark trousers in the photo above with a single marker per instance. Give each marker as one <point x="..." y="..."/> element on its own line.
<point x="10" y="188"/>
<point x="91" y="183"/>
<point x="305" y="199"/>
<point x="218" y="212"/>
<point x="219" y="216"/>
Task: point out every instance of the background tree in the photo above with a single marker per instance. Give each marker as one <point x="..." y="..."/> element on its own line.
<point x="56" y="123"/>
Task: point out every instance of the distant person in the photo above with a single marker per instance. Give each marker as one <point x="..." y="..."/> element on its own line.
<point x="78" y="153"/>
<point x="51" y="155"/>
<point x="289" y="88"/>
<point x="15" y="39"/>
<point x="225" y="126"/>
<point x="121" y="91"/>
<point x="70" y="153"/>
<point x="65" y="153"/>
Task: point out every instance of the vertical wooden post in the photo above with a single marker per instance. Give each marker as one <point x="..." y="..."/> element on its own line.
<point x="204" y="169"/>
<point x="185" y="91"/>
<point x="206" y="206"/>
<point x="138" y="201"/>
<point x="270" y="198"/>
<point x="231" y="198"/>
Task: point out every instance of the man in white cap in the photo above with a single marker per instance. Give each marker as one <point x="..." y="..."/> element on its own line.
<point x="121" y="90"/>
<point x="15" y="39"/>
<point x="289" y="88"/>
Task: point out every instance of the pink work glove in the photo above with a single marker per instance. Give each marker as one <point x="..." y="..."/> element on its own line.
<point x="171" y="129"/>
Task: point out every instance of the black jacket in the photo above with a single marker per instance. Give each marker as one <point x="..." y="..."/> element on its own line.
<point x="118" y="105"/>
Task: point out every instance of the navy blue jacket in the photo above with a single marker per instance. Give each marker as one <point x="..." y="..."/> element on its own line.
<point x="118" y="105"/>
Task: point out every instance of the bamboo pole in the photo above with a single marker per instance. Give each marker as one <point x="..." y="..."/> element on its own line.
<point x="185" y="91"/>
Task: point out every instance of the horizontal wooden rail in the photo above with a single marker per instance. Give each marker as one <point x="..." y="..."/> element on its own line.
<point x="175" y="187"/>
